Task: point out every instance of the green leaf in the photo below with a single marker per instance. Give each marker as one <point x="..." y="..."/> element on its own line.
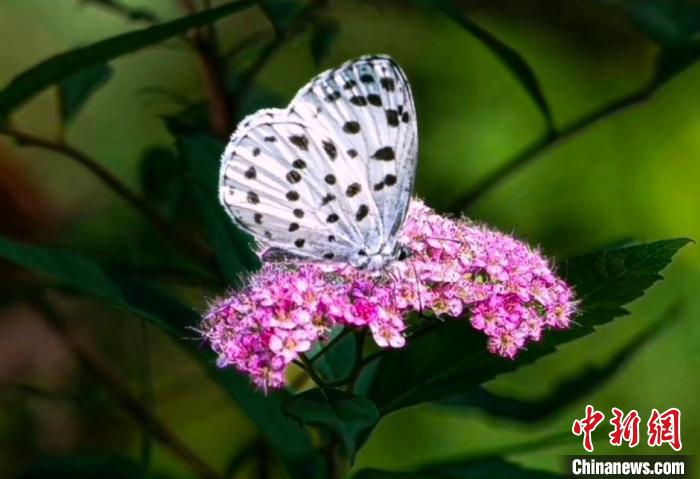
<point x="323" y="37"/>
<point x="351" y="417"/>
<point x="669" y="22"/>
<point x="163" y="180"/>
<point x="453" y="359"/>
<point x="337" y="361"/>
<point x="566" y="392"/>
<point x="510" y="58"/>
<point x="154" y="304"/>
<point x="77" y="89"/>
<point x="486" y="468"/>
<point x="282" y="13"/>
<point x="55" y="69"/>
<point x="201" y="155"/>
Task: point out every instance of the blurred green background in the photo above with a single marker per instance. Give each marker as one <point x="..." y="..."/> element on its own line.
<point x="631" y="176"/>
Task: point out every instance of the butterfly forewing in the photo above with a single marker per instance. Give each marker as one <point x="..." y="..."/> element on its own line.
<point x="331" y="175"/>
<point x="368" y="103"/>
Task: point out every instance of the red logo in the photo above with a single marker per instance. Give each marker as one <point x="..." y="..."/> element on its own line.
<point x="587" y="425"/>
<point x="665" y="428"/>
<point x="662" y="428"/>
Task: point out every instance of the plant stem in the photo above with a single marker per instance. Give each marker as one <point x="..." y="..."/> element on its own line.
<point x="119" y="391"/>
<point x="205" y="45"/>
<point x="309" y="368"/>
<point x="331" y="343"/>
<point x="553" y="138"/>
<point x="188" y="244"/>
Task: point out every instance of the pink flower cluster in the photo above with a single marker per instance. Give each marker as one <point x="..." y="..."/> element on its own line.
<point x="457" y="269"/>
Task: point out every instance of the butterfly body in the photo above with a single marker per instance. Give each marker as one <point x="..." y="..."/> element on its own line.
<point x="330" y="177"/>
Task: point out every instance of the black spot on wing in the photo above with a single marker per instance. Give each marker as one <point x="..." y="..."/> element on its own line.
<point x="253" y="198"/>
<point x="405" y="117"/>
<point x="330" y="179"/>
<point x="333" y="96"/>
<point x="358" y="100"/>
<point x="293" y="226"/>
<point x="328" y="255"/>
<point x="256" y="151"/>
<point x="332" y="218"/>
<point x="300" y="141"/>
<point x="353" y="189"/>
<point x="384" y="154"/>
<point x="299" y="164"/>
<point x="299" y="213"/>
<point x="367" y="78"/>
<point x="257" y="217"/>
<point x="351" y="127"/>
<point x="390" y="180"/>
<point x="392" y="117"/>
<point x="362" y="212"/>
<point x="250" y="173"/>
<point x="349" y="85"/>
<point x="293" y="176"/>
<point x="327" y="199"/>
<point x="292" y="195"/>
<point x="299" y="243"/>
<point x="374" y="99"/>
<point x="270" y="139"/>
<point x="330" y="149"/>
<point x="387" y="83"/>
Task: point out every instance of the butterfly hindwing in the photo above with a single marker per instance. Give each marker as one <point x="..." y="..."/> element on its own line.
<point x="330" y="175"/>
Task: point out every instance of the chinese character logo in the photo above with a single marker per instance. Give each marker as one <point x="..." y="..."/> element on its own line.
<point x="587" y="425"/>
<point x="665" y="428"/>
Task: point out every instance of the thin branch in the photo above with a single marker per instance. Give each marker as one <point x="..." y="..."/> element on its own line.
<point x="281" y="37"/>
<point x="545" y="142"/>
<point x="188" y="244"/>
<point x="205" y="44"/>
<point x="132" y="13"/>
<point x="554" y="138"/>
<point x="119" y="391"/>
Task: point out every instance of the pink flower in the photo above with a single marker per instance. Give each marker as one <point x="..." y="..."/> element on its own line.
<point x="458" y="269"/>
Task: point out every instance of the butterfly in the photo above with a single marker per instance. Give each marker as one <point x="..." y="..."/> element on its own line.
<point x="330" y="177"/>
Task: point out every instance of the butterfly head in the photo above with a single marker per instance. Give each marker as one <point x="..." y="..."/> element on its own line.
<point x="381" y="259"/>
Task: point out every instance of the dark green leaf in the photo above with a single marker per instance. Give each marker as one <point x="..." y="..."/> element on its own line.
<point x="50" y="72"/>
<point x="154" y="304"/>
<point x="489" y="468"/>
<point x="201" y="155"/>
<point x="510" y="58"/>
<point x="76" y="90"/>
<point x="324" y="35"/>
<point x="351" y="417"/>
<point x="453" y="358"/>
<point x="566" y="392"/>
<point x="669" y="22"/>
<point x="337" y="362"/>
<point x="163" y="180"/>
<point x="282" y="13"/>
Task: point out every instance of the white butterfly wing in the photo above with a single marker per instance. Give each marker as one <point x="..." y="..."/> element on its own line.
<point x="369" y="105"/>
<point x="332" y="174"/>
